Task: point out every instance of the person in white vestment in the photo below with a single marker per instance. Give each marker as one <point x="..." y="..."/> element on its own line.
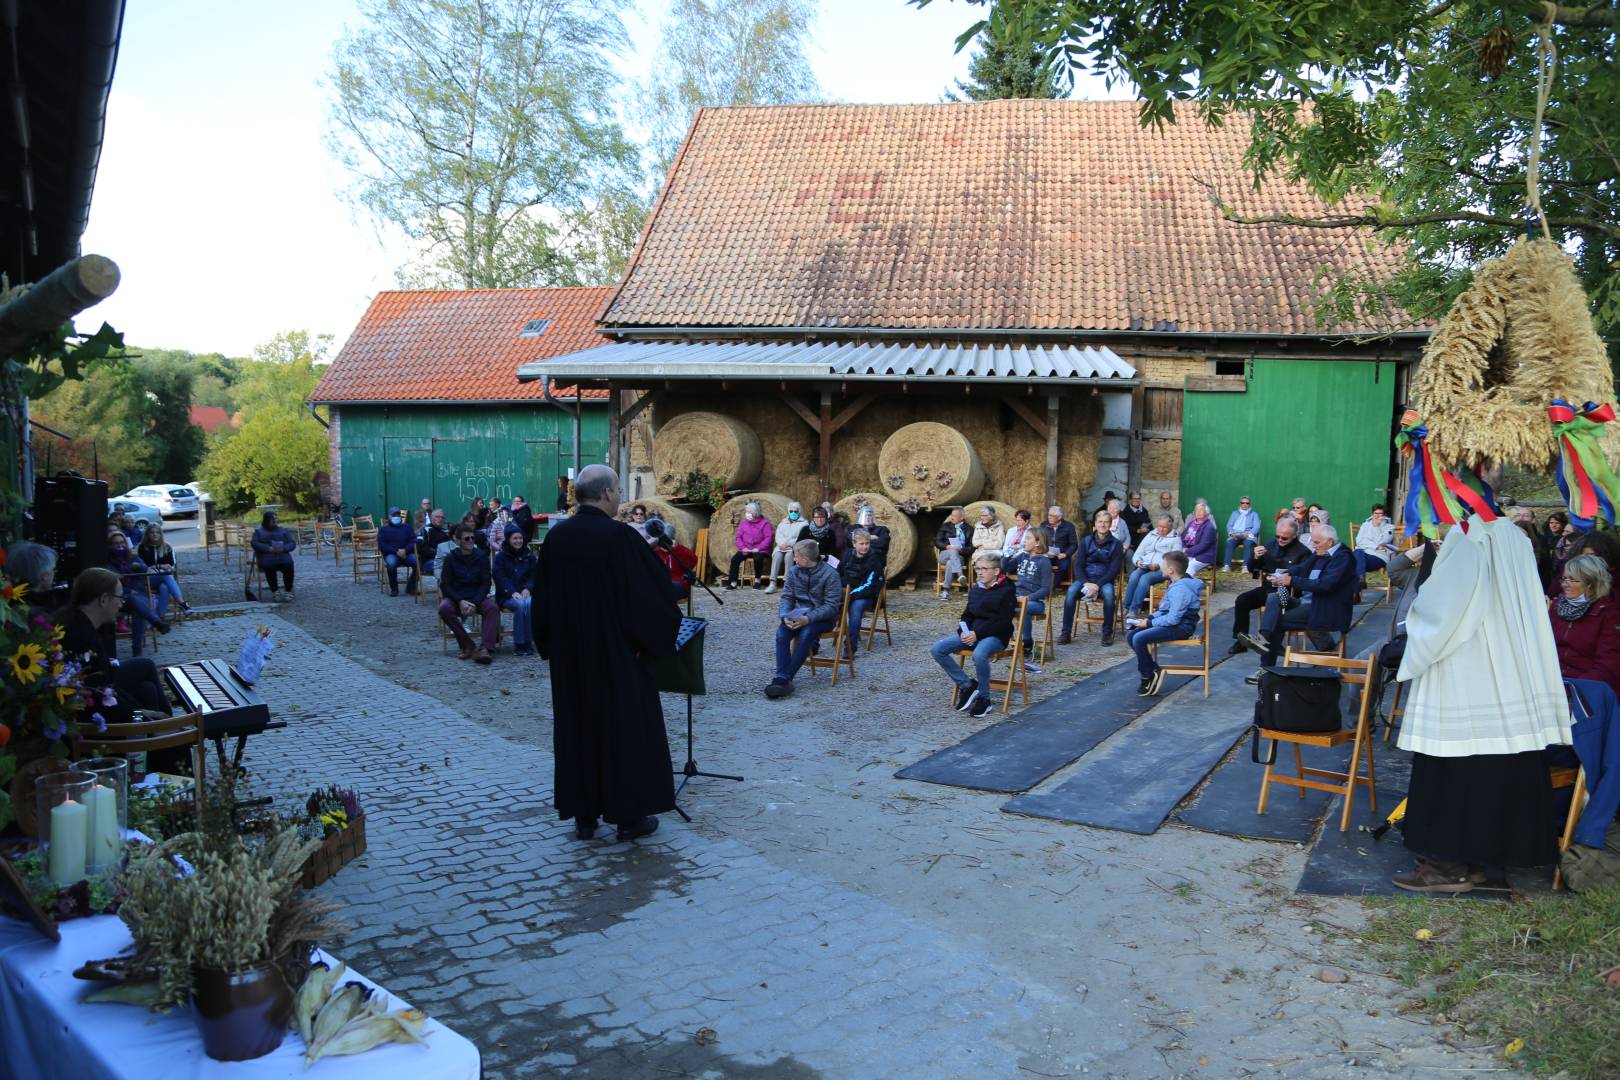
<point x="1486" y="698"/>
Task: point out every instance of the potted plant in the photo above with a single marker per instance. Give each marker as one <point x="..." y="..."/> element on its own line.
<point x="222" y="921"/>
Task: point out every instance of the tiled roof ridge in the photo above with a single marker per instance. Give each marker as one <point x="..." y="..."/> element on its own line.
<point x="548" y="289"/>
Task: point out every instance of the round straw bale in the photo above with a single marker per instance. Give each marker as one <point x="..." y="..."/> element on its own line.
<point x="723" y="526"/>
<point x="902" y="530"/>
<point x="685" y="521"/>
<point x="721" y="447"/>
<point x="930" y="462"/>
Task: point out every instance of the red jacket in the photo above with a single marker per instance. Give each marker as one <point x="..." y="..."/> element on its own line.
<point x="684" y="559"/>
<point x="1589" y="647"/>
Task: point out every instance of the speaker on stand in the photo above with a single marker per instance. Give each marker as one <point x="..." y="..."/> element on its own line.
<point x="70" y="515"/>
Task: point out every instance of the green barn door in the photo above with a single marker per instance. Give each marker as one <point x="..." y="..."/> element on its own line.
<point x="1316" y="429"/>
<point x="539" y="481"/>
<point x="407" y="472"/>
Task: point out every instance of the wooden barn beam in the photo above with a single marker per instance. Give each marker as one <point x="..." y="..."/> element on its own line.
<point x="853" y="409"/>
<point x="1133" y="471"/>
<point x="1028" y="416"/>
<point x="641" y="403"/>
<point x="1053" y="404"/>
<point x="824" y="454"/>
<point x="56" y="298"/>
<point x="804" y="413"/>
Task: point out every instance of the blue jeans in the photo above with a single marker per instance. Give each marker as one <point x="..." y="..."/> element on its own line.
<point x="857" y="612"/>
<point x="1031" y="609"/>
<point x="164" y="588"/>
<point x="522" y="628"/>
<point x="1136" y="589"/>
<point x="1071" y="604"/>
<point x="394" y="562"/>
<point x="944" y="653"/>
<point x="1365" y="561"/>
<point x="793" y="646"/>
<point x="141" y="614"/>
<point x="1231" y="542"/>
<point x="1139" y="639"/>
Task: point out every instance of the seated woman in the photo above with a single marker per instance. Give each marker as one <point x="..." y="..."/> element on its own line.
<point x="1102" y="557"/>
<point x="1013" y="545"/>
<point x="823" y="532"/>
<point x="1176" y="618"/>
<point x="34" y="565"/>
<point x="1031" y="571"/>
<point x="861" y="570"/>
<point x="985" y="628"/>
<point x="1567" y="538"/>
<point x="866" y="520"/>
<point x="273" y="547"/>
<point x="513" y="572"/>
<point x="678" y="559"/>
<point x="1375" y="545"/>
<point x="988" y="534"/>
<point x="133" y="572"/>
<point x="1584" y="622"/>
<point x="156" y="553"/>
<point x="93" y="605"/>
<point x="1145" y="571"/>
<point x="1198" y="538"/>
<point x="754" y="537"/>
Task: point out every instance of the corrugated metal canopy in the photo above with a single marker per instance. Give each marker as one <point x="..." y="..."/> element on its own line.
<point x="853" y="361"/>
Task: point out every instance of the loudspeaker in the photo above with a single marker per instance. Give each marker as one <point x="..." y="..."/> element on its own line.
<point x="70" y="515"/>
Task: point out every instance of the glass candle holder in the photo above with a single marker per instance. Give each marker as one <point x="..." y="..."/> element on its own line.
<point x="108" y="804"/>
<point x="64" y="822"/>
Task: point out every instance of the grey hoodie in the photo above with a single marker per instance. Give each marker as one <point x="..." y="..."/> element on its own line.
<point x="818" y="590"/>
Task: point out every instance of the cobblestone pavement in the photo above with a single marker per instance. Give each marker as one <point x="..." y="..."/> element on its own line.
<point x="819" y="919"/>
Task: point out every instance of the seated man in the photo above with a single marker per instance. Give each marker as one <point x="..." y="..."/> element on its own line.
<point x="1175" y="620"/>
<point x="811" y="595"/>
<point x="1242" y="528"/>
<point x="1285" y="552"/>
<point x="398" y="546"/>
<point x="1145" y="572"/>
<point x="434" y="536"/>
<point x="861" y="570"/>
<point x="985" y="627"/>
<point x="464" y="581"/>
<point x="1062" y="541"/>
<point x="951" y="545"/>
<point x="1324" y="584"/>
<point x="1101" y="559"/>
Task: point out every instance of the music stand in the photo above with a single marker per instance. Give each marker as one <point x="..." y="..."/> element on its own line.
<point x="683" y="674"/>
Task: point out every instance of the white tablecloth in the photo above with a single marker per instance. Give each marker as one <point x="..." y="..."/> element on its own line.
<point x="46" y="1032"/>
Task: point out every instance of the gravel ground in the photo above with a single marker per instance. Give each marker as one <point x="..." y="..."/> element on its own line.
<point x="1193" y="938"/>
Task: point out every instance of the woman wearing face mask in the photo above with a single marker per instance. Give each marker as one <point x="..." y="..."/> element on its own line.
<point x="789" y="531"/>
<point x="753" y="542"/>
<point x="124" y="563"/>
<point x="514" y="572"/>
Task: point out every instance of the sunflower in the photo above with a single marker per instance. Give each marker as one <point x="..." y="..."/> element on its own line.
<point x="25" y="662"/>
<point x="14" y="590"/>
<point x="64" y="694"/>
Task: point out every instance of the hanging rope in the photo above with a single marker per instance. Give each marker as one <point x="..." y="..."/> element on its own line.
<point x="1546" y="64"/>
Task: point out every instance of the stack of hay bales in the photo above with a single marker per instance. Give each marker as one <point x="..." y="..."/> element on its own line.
<point x="720" y="447"/>
<point x="902" y="530"/>
<point x="723" y="525"/>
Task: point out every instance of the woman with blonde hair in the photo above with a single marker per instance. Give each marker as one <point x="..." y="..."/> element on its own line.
<point x="1584" y="622"/>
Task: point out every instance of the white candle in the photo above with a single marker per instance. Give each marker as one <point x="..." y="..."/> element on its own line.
<point x="101" y="804"/>
<point x="68" y="842"/>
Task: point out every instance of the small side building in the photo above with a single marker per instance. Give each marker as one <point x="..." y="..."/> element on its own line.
<point x="423" y="399"/>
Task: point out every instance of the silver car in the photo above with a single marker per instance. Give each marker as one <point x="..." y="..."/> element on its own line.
<point x="142" y="513"/>
<point x="171" y="500"/>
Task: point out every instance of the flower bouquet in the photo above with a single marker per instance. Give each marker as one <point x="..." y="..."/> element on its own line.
<point x="335" y="817"/>
<point x="44" y="696"/>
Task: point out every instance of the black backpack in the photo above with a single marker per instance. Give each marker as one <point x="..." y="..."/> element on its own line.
<point x="1303" y="700"/>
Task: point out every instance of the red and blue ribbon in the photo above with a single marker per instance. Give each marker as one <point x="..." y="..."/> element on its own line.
<point x="1434" y="496"/>
<point x="1589" y="486"/>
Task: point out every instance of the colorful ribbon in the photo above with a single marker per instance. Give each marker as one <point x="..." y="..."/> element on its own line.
<point x="1595" y="489"/>
<point x="1434" y="496"/>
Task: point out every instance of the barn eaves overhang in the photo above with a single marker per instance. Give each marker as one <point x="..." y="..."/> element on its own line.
<point x="845" y="361"/>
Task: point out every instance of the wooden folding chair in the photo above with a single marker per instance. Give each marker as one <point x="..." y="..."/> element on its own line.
<point x="869" y="620"/>
<point x="1201" y="642"/>
<point x="701" y="550"/>
<point x="1017" y="677"/>
<point x="146" y="734"/>
<point x="1088" y="619"/>
<point x="838" y="635"/>
<point x="1301" y="640"/>
<point x="364" y="556"/>
<point x="962" y="579"/>
<point x="476" y="629"/>
<point x="1562" y="777"/>
<point x="1044" y="646"/>
<point x="1355" y="672"/>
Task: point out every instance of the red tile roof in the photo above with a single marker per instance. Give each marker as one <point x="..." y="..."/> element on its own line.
<point x="459" y="344"/>
<point x="1002" y="215"/>
<point x="208" y="417"/>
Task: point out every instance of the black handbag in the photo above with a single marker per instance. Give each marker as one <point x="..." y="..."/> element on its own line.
<point x="1302" y="700"/>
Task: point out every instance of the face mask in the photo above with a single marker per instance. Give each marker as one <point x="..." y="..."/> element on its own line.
<point x="748" y="514"/>
<point x="794" y="514"/>
<point x="395" y="520"/>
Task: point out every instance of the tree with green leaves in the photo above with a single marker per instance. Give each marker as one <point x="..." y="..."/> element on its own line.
<point x="276" y="452"/>
<point x="477" y="127"/>
<point x="1410" y="117"/>
<point x="1008" y="62"/>
<point x="725" y="52"/>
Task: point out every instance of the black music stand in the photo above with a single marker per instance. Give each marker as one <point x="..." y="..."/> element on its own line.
<point x="683" y="674"/>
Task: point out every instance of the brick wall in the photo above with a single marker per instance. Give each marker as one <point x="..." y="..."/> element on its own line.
<point x="1168" y="369"/>
<point x="1161" y="462"/>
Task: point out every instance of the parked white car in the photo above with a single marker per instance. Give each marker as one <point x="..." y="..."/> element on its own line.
<point x="196" y="488"/>
<point x="143" y="513"/>
<point x="172" y="500"/>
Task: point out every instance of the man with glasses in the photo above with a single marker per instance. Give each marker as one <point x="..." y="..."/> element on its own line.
<point x="1242" y="527"/>
<point x="464" y="585"/>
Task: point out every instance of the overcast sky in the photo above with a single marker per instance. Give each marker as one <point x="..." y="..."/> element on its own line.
<point x="218" y="201"/>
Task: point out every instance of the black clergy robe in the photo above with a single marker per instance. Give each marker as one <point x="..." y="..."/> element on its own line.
<point x="602" y="612"/>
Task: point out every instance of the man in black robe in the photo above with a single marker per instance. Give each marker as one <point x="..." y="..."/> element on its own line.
<point x="603" y="613"/>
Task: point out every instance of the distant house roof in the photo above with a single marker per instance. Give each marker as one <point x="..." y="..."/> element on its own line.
<point x="460" y="344"/>
<point x="1052" y="215"/>
<point x="208" y="417"/>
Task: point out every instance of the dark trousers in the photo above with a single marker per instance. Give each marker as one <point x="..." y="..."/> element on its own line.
<point x="286" y="576"/>
<point x="1247" y="603"/>
<point x="450" y="612"/>
<point x="1275" y="622"/>
<point x="394" y="562"/>
<point x="761" y="560"/>
<point x="793" y="646"/>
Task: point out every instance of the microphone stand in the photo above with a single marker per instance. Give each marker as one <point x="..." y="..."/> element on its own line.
<point x="690" y="769"/>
